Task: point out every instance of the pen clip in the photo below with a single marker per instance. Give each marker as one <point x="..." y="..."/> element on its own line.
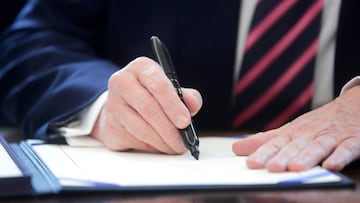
<point x="163" y="56"/>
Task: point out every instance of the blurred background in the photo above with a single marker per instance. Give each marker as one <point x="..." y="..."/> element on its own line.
<point x="8" y="12"/>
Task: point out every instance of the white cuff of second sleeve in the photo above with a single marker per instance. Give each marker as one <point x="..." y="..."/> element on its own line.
<point x="77" y="133"/>
<point x="353" y="82"/>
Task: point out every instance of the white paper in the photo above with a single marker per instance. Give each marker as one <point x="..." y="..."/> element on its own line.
<point x="217" y="166"/>
<point x="8" y="167"/>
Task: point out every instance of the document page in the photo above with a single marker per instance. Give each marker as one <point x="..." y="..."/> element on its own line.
<point x="217" y="166"/>
<point x="14" y="176"/>
<point x="8" y="167"/>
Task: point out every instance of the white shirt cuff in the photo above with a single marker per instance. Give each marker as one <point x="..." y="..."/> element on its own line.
<point x="77" y="133"/>
<point x="353" y="82"/>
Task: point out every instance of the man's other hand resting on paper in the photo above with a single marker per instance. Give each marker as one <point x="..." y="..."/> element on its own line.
<point x="329" y="134"/>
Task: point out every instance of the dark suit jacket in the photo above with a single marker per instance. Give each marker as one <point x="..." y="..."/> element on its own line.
<point x="58" y="55"/>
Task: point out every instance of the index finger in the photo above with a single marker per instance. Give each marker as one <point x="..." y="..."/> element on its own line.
<point x="156" y="81"/>
<point x="162" y="107"/>
<point x="251" y="143"/>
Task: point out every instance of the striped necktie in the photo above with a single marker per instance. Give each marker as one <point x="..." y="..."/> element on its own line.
<point x="275" y="83"/>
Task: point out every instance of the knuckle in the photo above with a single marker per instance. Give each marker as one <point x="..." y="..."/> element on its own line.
<point x="159" y="85"/>
<point x="325" y="142"/>
<point x="142" y="59"/>
<point x="279" y="142"/>
<point x="112" y="80"/>
<point x="118" y="80"/>
<point x="140" y="62"/>
<point x="149" y="108"/>
<point x="138" y="129"/>
<point x="275" y="147"/>
<point x="350" y="147"/>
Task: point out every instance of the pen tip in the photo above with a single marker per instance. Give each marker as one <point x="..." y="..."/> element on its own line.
<point x="196" y="155"/>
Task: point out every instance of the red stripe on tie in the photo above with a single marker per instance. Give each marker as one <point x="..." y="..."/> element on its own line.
<point x="291" y="110"/>
<point x="267" y="22"/>
<point x="278" y="86"/>
<point x="278" y="48"/>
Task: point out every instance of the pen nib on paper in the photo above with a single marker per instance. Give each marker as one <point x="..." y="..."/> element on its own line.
<point x="195" y="152"/>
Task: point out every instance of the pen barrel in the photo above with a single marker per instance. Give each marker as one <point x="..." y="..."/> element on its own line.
<point x="177" y="87"/>
<point x="188" y="134"/>
<point x="175" y="82"/>
<point x="190" y="139"/>
<point x="162" y="55"/>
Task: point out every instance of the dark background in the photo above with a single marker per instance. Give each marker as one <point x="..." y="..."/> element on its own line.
<point x="8" y="11"/>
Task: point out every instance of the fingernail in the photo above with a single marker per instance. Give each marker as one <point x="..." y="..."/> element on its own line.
<point x="259" y="159"/>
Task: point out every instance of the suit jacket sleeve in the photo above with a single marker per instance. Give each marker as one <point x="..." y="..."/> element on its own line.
<point x="50" y="64"/>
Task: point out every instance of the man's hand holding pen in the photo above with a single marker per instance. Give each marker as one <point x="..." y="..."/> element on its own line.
<point x="143" y="112"/>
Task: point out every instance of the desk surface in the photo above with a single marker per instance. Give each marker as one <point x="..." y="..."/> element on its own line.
<point x="269" y="196"/>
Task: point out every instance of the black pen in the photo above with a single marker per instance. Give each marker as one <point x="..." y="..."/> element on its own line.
<point x="162" y="55"/>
